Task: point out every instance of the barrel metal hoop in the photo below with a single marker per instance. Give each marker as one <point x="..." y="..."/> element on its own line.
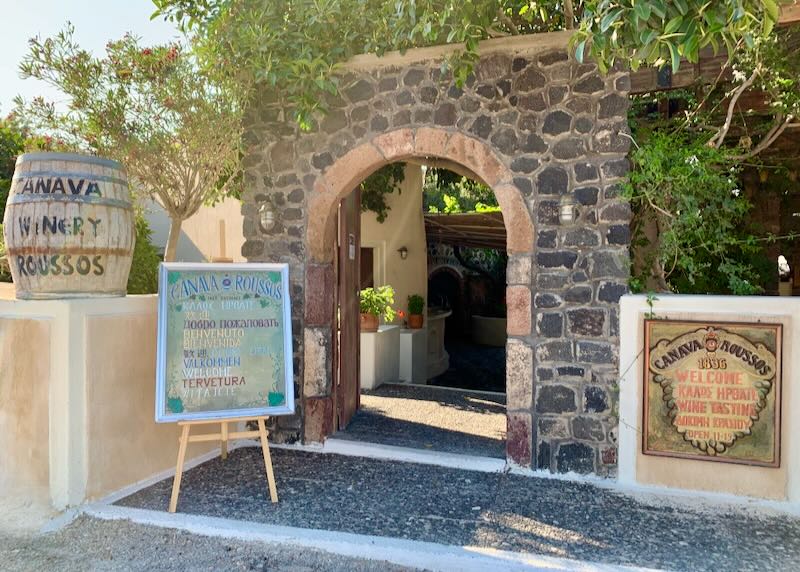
<point x="71" y="250"/>
<point x="76" y="175"/>
<point x="69" y="157"/>
<point x="49" y="198"/>
<point x="59" y="294"/>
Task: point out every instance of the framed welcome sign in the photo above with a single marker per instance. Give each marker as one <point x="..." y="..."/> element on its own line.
<point x="224" y="342"/>
<point x="713" y="391"/>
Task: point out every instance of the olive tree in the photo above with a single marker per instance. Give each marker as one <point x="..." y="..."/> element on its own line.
<point x="176" y="129"/>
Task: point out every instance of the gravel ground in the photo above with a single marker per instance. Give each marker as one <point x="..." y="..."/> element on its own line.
<point x="465" y="508"/>
<point x="93" y="544"/>
<point x="431" y="418"/>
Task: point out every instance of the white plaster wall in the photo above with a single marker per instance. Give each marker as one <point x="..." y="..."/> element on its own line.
<point x="404" y="226"/>
<point x="637" y="469"/>
<point x="7" y="291"/>
<point x="98" y="383"/>
<point x="200" y="235"/>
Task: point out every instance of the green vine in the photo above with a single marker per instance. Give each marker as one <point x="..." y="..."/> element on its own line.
<point x="382" y="182"/>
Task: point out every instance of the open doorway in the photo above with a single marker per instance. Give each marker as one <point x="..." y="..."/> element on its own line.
<point x="433" y="387"/>
<point x="467" y="264"/>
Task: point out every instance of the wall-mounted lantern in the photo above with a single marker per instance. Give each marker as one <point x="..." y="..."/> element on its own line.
<point x="566" y="209"/>
<point x="403" y="251"/>
<point x="267" y="217"/>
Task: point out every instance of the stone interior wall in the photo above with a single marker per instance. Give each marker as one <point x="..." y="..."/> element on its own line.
<point x="533" y="124"/>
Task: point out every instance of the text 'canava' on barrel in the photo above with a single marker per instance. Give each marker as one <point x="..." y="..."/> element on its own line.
<point x="68" y="227"/>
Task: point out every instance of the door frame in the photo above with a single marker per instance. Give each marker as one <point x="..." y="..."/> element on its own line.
<point x="346" y="387"/>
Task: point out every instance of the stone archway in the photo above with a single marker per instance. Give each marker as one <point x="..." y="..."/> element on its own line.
<point x="534" y="125"/>
<point x="346" y="173"/>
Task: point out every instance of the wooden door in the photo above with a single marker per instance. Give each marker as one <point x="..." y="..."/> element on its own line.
<point x="347" y="301"/>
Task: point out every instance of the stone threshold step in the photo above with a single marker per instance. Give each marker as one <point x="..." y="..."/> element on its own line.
<point x="417" y="554"/>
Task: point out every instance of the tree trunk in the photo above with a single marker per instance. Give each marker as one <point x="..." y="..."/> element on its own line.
<point x="569" y="15"/>
<point x="645" y="255"/>
<point x="172" y="241"/>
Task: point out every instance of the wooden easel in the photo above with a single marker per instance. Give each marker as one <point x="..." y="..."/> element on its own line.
<point x="223" y="437"/>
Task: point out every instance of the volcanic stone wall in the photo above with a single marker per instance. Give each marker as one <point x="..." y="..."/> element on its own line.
<point x="533" y="124"/>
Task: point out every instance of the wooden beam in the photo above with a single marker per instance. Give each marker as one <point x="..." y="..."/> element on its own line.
<point x="790" y="13"/>
<point x="645" y="80"/>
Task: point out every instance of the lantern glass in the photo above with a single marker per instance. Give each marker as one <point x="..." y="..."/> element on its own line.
<point x="566" y="209"/>
<point x="266" y="217"/>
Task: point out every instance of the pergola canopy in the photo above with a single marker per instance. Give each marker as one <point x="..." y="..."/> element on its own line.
<point x="475" y="230"/>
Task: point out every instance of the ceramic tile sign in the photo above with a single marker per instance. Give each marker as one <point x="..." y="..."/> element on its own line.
<point x="224" y="341"/>
<point x="712" y="391"/>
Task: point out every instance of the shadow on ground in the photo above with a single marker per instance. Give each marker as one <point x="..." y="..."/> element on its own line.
<point x="502" y="511"/>
<point x="431" y="418"/>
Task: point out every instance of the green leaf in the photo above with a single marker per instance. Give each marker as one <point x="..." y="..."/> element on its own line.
<point x="609" y="19"/>
<point x="772" y="10"/>
<point x="642" y="10"/>
<point x="675" y="57"/>
<point x="768" y="25"/>
<point x="646" y="36"/>
<point x="579" y="51"/>
<point x="691" y="49"/>
<point x="659" y="8"/>
<point x="673" y="25"/>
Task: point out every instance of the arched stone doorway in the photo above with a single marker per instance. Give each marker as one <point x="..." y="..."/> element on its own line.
<point x="534" y="125"/>
<point x="478" y="158"/>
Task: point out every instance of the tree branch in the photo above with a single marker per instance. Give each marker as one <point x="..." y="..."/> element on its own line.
<point x="772" y="135"/>
<point x="504" y="19"/>
<point x="696" y="110"/>
<point x="717" y="140"/>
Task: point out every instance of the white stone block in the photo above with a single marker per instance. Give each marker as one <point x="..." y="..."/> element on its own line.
<point x="380" y="357"/>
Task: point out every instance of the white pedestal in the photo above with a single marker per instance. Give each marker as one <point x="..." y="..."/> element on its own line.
<point x="380" y="356"/>
<point x="413" y="355"/>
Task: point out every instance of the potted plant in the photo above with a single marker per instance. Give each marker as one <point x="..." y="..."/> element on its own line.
<point x="416" y="304"/>
<point x="376" y="302"/>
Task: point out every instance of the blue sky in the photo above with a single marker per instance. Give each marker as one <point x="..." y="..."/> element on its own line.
<point x="95" y="21"/>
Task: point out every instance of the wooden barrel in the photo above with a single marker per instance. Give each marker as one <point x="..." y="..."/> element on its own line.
<point x="69" y="227"/>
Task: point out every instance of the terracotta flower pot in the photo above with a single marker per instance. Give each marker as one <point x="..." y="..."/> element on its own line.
<point x="369" y="322"/>
<point x="415" y="321"/>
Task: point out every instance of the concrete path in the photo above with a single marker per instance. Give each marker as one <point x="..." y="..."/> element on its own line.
<point x="485" y="511"/>
<point x="434" y="418"/>
<point x="93" y="544"/>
